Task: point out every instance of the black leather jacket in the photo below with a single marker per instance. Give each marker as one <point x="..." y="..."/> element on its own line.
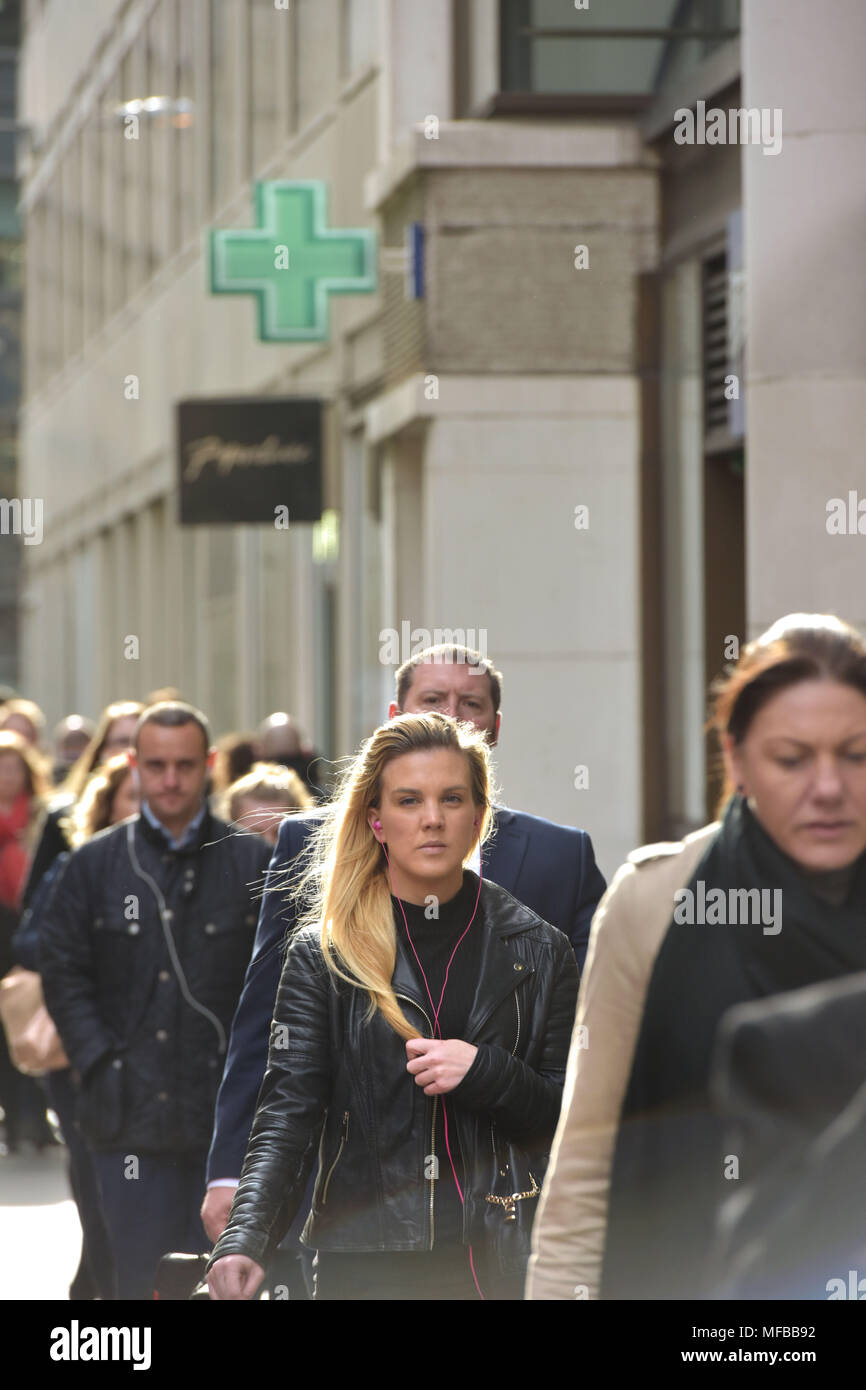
<point x="149" y="1061"/>
<point x="337" y="1086"/>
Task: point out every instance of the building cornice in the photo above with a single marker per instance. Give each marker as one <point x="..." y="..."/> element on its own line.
<point x="590" y="144"/>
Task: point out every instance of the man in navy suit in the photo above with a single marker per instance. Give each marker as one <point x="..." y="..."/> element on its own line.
<point x="551" y="868"/>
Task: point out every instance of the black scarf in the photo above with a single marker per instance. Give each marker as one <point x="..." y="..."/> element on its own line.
<point x="668" y="1175"/>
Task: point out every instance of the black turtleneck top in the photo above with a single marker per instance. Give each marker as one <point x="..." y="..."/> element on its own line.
<point x="434" y="939"/>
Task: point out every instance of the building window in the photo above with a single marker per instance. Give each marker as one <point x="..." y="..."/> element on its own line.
<point x="51" y="290"/>
<point x="92" y="229"/>
<point x="360" y="30"/>
<point x="111" y="195"/>
<point x="620" y="50"/>
<point x="134" y="237"/>
<point x="156" y="131"/>
<point x="722" y="323"/>
<point x="71" y="248"/>
<point x="225" y="133"/>
<point x="268" y="32"/>
<point x="8" y="65"/>
<point x="34" y="298"/>
<point x="316" y="59"/>
<point x="187" y="128"/>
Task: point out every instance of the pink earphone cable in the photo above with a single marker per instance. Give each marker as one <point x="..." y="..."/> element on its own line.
<point x="437" y="1029"/>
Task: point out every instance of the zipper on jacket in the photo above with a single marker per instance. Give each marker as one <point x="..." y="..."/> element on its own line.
<point x="344" y="1134"/>
<point x="431" y="1179"/>
<point x="483" y="1020"/>
<point x="466" y="1189"/>
<point x="517" y="1039"/>
<point x="433" y="1169"/>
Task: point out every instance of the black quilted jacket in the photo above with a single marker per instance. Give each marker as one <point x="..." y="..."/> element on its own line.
<point x="150" y="1062"/>
<point x="337" y="1089"/>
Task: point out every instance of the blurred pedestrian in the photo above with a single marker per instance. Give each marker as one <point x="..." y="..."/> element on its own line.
<point x="263" y="798"/>
<point x="114" y="733"/>
<point x="282" y="742"/>
<point x="236" y="754"/>
<point x="109" y="797"/>
<point x="164" y="694"/>
<point x="22" y="792"/>
<point x="71" y="737"/>
<point x="23" y="789"/>
<point x="25" y="718"/>
<point x="143" y="955"/>
<point x="770" y="899"/>
<point x="427" y="1058"/>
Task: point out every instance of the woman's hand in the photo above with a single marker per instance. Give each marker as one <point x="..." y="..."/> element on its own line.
<point x="234" y="1276"/>
<point x="439" y="1064"/>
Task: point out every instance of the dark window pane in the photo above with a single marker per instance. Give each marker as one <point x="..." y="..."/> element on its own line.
<point x="623" y="47"/>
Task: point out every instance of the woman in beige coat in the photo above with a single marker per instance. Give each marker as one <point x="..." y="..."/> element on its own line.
<point x="637" y="1171"/>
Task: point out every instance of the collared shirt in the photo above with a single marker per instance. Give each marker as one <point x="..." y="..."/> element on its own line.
<point x="189" y="833"/>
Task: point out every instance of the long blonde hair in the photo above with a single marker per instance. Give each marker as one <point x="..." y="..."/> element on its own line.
<point x="270" y="783"/>
<point x="347" y="883"/>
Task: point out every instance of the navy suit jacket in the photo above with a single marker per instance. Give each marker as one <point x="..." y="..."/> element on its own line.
<point x="551" y="868"/>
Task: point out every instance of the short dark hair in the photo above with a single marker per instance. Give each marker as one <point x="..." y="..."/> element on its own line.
<point x="173" y="714"/>
<point x="448" y="654"/>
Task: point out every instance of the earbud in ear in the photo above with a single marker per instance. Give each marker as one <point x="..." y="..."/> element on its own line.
<point x="377" y="825"/>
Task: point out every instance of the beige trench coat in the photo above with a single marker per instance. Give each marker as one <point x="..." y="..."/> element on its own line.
<point x="627" y="931"/>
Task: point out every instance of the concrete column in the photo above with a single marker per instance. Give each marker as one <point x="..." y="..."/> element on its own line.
<point x="417" y="79"/>
<point x="806" y="307"/>
<point x="350" y="633"/>
<point x="248" y="639"/>
<point x="145" y="628"/>
<point x="508" y="460"/>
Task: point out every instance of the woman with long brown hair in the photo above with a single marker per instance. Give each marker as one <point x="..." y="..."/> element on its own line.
<point x="419" y="1040"/>
<point x="769" y="899"/>
<point x="23" y="787"/>
<point x="114" y="733"/>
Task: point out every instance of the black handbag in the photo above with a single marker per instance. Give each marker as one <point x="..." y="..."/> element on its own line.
<point x="510" y="1204"/>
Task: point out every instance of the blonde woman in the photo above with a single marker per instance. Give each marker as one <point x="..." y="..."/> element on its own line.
<point x="260" y="800"/>
<point x="418" y="1045"/>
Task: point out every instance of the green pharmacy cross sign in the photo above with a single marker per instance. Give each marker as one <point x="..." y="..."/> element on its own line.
<point x="291" y="261"/>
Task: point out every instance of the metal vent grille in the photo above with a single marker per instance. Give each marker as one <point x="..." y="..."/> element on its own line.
<point x="715" y="344"/>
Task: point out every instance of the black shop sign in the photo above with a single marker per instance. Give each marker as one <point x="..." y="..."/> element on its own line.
<point x="249" y="460"/>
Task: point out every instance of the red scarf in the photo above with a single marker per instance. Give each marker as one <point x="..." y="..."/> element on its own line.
<point x="14" y="857"/>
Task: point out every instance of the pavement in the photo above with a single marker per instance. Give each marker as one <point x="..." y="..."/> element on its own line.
<point x="40" y="1234"/>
